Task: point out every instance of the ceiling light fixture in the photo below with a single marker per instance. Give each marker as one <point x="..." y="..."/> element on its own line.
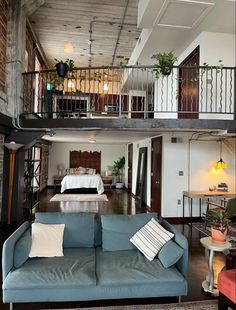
<point x="105" y="87"/>
<point x="70" y="84"/>
<point x="92" y="140"/>
<point x="220" y="163"/>
<point x="68" y="48"/>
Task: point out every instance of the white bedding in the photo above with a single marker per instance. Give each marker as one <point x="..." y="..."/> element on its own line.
<point x="71" y="181"/>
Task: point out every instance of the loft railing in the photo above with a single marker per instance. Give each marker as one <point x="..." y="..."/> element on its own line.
<point x="132" y="92"/>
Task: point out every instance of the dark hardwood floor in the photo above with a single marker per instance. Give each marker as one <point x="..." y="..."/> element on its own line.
<point x="121" y="202"/>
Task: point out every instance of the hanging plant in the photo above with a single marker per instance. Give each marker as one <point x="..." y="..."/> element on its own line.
<point x="164" y="63"/>
<point x="63" y="67"/>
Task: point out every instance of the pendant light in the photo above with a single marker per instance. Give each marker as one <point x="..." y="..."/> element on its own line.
<point x="221" y="164"/>
<point x="68" y="48"/>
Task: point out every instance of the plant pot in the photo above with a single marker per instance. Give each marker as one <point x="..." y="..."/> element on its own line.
<point x="166" y="70"/>
<point x="217" y="236"/>
<point x="119" y="185"/>
<point x="62" y="69"/>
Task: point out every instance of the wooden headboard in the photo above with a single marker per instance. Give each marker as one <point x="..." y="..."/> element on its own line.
<point x="86" y="159"/>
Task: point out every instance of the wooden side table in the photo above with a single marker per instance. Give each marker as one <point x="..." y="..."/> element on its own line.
<point x="107" y="180"/>
<point x="210" y="249"/>
<point x="57" y="181"/>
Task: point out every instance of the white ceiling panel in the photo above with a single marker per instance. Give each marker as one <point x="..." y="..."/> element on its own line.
<point x="182" y="13"/>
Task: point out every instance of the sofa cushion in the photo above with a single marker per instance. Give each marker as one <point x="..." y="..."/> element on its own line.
<point x="79" y="227"/>
<point x="47" y="240"/>
<point x="22" y="249"/>
<point x="118" y="229"/>
<point x="131" y="267"/>
<point x="76" y="268"/>
<point x="170" y="253"/>
<point x="150" y="238"/>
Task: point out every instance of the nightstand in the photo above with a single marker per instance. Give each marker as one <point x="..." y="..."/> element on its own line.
<point x="107" y="180"/>
<point x="57" y="181"/>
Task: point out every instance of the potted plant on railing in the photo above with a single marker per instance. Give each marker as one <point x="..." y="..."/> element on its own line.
<point x="218" y="220"/>
<point x="63" y="67"/>
<point x="164" y="63"/>
<point x="117" y="171"/>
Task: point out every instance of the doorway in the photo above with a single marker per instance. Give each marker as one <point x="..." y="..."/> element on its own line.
<point x="130" y="167"/>
<point x="141" y="185"/>
<point x="156" y="167"/>
<point x="188" y="99"/>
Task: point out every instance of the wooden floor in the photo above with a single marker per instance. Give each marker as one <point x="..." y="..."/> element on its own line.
<point x="120" y="202"/>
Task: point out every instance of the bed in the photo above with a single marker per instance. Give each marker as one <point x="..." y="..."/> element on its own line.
<point x="91" y="161"/>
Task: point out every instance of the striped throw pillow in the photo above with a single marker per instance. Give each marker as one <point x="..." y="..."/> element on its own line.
<point x="151" y="238"/>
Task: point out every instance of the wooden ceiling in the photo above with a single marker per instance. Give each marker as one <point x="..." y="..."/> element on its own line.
<point x="98" y="22"/>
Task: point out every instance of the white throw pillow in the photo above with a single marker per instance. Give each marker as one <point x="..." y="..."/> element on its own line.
<point x="151" y="238"/>
<point x="47" y="240"/>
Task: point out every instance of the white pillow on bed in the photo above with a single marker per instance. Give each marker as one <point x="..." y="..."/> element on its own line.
<point x="82" y="170"/>
<point x="47" y="240"/>
<point x="91" y="171"/>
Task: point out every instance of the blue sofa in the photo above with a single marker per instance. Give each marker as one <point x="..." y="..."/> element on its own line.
<point x="99" y="262"/>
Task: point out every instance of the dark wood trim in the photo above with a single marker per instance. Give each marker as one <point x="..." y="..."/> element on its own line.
<point x="179" y="220"/>
<point x="195" y="51"/>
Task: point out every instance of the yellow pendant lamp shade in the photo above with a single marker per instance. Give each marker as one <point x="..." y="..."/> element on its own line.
<point x="220" y="163"/>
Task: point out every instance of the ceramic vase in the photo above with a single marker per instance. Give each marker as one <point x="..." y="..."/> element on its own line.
<point x="217" y="236"/>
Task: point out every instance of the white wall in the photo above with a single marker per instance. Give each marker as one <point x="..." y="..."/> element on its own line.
<point x="214" y="96"/>
<point x="59" y="154"/>
<point x="195" y="159"/>
<point x="214" y="47"/>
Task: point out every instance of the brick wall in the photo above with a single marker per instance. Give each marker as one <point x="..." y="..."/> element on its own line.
<point x="3" y="41"/>
<point x="44" y="166"/>
<point x="29" y="44"/>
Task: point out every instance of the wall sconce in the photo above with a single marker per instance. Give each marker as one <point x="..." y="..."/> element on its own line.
<point x="12" y="148"/>
<point x="220" y="163"/>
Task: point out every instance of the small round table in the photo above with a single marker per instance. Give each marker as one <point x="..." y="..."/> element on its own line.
<point x="210" y="248"/>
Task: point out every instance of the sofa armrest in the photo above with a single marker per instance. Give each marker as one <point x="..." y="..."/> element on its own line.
<point x="181" y="240"/>
<point x="9" y="247"/>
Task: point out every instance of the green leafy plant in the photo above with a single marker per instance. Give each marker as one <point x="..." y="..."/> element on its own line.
<point x="118" y="167"/>
<point x="164" y="63"/>
<point x="217" y="218"/>
<point x="219" y="66"/>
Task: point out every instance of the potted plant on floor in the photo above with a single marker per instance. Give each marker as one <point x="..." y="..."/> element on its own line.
<point x="164" y="63"/>
<point x="117" y="171"/>
<point x="218" y="220"/>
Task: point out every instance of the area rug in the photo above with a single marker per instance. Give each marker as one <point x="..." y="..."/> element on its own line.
<point x="198" y="305"/>
<point x="79" y="197"/>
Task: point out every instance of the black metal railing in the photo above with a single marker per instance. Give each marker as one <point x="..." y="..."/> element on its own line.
<point x="133" y="92"/>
